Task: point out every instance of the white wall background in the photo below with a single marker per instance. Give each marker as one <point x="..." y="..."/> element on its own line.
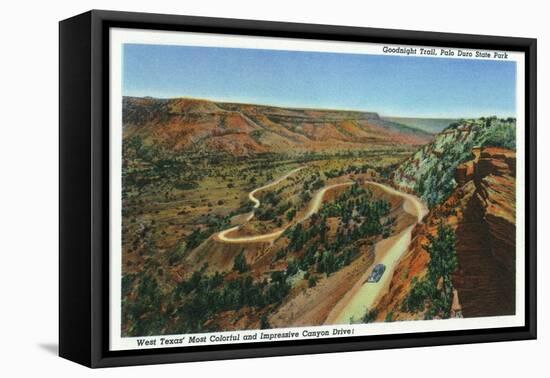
<point x="28" y="186"/>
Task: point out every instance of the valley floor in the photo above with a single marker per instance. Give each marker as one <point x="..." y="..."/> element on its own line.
<point x="346" y="295"/>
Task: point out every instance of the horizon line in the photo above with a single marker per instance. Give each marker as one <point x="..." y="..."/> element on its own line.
<point x="298" y="107"/>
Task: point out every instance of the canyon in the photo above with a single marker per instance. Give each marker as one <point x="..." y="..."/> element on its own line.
<point x="243" y="216"/>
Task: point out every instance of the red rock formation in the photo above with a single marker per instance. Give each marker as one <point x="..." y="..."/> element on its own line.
<point x="486" y="245"/>
<point x="482" y="211"/>
<point x="465" y="171"/>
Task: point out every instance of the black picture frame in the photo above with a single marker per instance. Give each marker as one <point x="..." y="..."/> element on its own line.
<point x="84" y="187"/>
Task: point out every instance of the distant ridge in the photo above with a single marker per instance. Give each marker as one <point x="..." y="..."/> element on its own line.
<point x="430" y="125"/>
<point x="243" y="129"/>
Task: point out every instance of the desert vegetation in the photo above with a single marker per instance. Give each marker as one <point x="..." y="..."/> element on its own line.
<point x="430" y="171"/>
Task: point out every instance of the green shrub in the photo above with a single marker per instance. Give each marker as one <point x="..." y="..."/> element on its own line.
<point x="370" y="316"/>
<point x="311" y="282"/>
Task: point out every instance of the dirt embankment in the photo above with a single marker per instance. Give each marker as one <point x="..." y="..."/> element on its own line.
<point x="220" y="256"/>
<point x="482" y="211"/>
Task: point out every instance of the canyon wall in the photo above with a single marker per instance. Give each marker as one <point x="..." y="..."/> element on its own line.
<point x="481" y="209"/>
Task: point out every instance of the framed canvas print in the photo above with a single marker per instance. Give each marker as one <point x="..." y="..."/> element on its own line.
<point x="233" y="188"/>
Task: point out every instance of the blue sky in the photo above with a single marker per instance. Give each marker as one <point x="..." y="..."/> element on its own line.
<point x="389" y="85"/>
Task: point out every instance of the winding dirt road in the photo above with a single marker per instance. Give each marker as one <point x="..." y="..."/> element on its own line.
<point x="364" y="295"/>
<point x="222" y="235"/>
<point x="273" y="183"/>
<point x="314" y="206"/>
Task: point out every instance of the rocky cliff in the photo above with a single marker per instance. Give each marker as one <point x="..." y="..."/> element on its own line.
<point x="481" y="210"/>
<point x="430" y="172"/>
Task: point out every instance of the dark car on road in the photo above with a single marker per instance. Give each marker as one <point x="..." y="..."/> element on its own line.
<point x="377" y="273"/>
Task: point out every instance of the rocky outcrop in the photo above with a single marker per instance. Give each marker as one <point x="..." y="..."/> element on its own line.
<point x="486" y="245"/>
<point x="465" y="172"/>
<point x="482" y="211"/>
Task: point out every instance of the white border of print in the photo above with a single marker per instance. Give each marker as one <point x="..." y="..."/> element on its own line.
<point x="119" y="36"/>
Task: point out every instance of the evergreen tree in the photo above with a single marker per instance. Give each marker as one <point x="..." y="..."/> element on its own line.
<point x="436" y="290"/>
<point x="240" y="264"/>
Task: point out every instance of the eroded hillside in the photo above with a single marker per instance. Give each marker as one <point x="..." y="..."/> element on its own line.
<point x="242" y="129"/>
